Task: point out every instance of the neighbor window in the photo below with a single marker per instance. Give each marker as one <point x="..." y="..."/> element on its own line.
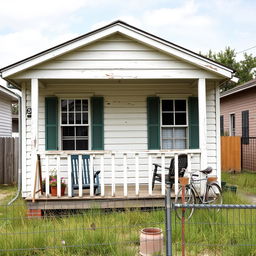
<point x="245" y="127"/>
<point x="232" y="125"/>
<point x="174" y="123"/>
<point x="221" y="125"/>
<point x="74" y="124"/>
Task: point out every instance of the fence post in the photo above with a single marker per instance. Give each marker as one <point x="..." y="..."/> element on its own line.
<point x="168" y="219"/>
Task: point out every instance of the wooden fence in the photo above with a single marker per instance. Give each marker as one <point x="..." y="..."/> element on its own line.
<point x="231" y="153"/>
<point x="9" y="160"/>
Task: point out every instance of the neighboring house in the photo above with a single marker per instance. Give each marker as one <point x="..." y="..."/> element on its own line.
<point x="238" y="110"/>
<point x="238" y="118"/>
<point x="125" y="97"/>
<point x="7" y="98"/>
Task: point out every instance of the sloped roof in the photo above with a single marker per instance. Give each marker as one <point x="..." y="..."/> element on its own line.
<point x="128" y="30"/>
<point x="239" y="88"/>
<point x="6" y="93"/>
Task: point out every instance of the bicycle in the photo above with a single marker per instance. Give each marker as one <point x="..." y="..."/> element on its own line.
<point x="212" y="194"/>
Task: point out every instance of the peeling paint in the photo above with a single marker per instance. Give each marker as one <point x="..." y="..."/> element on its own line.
<point x="211" y="67"/>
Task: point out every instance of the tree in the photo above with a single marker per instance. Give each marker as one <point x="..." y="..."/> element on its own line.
<point x="245" y="69"/>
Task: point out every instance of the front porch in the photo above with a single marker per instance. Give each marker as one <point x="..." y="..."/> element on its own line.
<point x="119" y="201"/>
<point x="125" y="179"/>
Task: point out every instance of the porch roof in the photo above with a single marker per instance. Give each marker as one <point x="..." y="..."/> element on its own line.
<point x="130" y="31"/>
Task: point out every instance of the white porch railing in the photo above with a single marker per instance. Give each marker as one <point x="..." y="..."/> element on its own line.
<point x="116" y="168"/>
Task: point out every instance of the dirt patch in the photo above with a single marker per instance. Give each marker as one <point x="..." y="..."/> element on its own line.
<point x="251" y="198"/>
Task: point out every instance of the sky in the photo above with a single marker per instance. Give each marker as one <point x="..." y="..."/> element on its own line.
<point x="30" y="26"/>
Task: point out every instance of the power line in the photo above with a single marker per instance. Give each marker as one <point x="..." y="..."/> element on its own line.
<point x="246" y="49"/>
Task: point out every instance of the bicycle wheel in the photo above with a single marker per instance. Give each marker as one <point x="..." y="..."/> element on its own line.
<point x="189" y="198"/>
<point x="214" y="195"/>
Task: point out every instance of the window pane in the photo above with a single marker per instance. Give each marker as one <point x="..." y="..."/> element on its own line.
<point x="85" y="105"/>
<point x="71" y="105"/>
<point x="180" y="119"/>
<point x="82" y="131"/>
<point x="71" y="118"/>
<point x="167" y="105"/>
<point x="63" y="105"/>
<point x="167" y="133"/>
<point x="78" y="105"/>
<point x="167" y="119"/>
<point x="167" y="144"/>
<point x="68" y="144"/>
<point x="85" y="118"/>
<point x="180" y="105"/>
<point x="64" y="118"/>
<point x="78" y="118"/>
<point x="179" y="133"/>
<point x="68" y="131"/>
<point x="180" y="144"/>
<point x="82" y="144"/>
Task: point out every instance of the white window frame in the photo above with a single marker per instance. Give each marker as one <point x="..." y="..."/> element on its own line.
<point x="230" y="124"/>
<point x="174" y="126"/>
<point x="60" y="119"/>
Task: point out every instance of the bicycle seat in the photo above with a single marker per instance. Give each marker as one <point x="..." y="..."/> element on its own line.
<point x="208" y="170"/>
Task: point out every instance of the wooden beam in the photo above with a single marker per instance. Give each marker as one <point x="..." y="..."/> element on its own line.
<point x="23" y="139"/>
<point x="217" y="103"/>
<point x="34" y="129"/>
<point x="202" y="121"/>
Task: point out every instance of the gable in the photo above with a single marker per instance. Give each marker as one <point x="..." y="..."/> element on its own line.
<point x="115" y="56"/>
<point x="213" y="67"/>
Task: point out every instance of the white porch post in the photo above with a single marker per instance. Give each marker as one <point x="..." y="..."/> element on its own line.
<point x="23" y="139"/>
<point x="202" y="121"/>
<point x="34" y="129"/>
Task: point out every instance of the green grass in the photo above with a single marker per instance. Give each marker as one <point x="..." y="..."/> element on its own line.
<point x="98" y="233"/>
<point x="245" y="181"/>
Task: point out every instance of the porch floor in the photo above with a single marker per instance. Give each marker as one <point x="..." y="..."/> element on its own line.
<point x="106" y="202"/>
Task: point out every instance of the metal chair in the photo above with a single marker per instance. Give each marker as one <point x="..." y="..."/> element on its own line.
<point x="182" y="166"/>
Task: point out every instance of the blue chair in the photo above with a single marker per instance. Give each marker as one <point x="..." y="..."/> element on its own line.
<point x="85" y="174"/>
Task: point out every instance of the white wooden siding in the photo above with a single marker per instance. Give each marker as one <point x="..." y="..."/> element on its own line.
<point x="125" y="122"/>
<point x="116" y="56"/>
<point x="5" y="117"/>
<point x="211" y="126"/>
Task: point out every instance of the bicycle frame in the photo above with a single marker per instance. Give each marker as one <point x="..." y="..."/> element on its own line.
<point x="202" y="199"/>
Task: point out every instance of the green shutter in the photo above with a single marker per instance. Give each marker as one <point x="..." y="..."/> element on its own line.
<point x="51" y="123"/>
<point x="97" y="106"/>
<point x="193" y="122"/>
<point x="153" y="109"/>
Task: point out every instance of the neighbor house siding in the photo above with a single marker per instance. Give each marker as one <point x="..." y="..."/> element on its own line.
<point x="125" y="120"/>
<point x="5" y="117"/>
<point x="236" y="103"/>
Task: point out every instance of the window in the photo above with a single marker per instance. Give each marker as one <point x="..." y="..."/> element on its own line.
<point x="245" y="127"/>
<point x="221" y="125"/>
<point x="174" y="123"/>
<point x="74" y="124"/>
<point x="232" y="125"/>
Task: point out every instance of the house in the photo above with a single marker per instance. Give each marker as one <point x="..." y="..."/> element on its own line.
<point x="238" y="118"/>
<point x="7" y="98"/>
<point x="125" y="97"/>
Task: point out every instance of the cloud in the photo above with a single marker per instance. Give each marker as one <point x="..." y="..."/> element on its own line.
<point x="28" y="27"/>
<point x="20" y="45"/>
<point x="16" y="13"/>
<point x="181" y="16"/>
<point x="128" y="19"/>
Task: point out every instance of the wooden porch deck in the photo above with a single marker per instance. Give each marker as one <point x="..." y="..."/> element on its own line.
<point x="143" y="200"/>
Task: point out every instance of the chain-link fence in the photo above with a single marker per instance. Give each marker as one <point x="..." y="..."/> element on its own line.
<point x="212" y="230"/>
<point x="78" y="232"/>
<point x="248" y="153"/>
